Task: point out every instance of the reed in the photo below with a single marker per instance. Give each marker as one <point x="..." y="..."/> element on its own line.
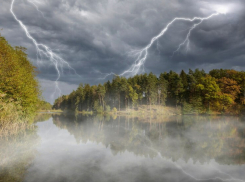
<point x="12" y="118"/>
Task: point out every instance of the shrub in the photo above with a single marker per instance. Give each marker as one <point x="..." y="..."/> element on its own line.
<point x="11" y="117"/>
<point x="107" y="108"/>
<point x="114" y="110"/>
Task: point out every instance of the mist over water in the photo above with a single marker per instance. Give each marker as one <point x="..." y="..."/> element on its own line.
<point x="98" y="148"/>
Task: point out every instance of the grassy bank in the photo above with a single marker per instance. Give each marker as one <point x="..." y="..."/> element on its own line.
<point x="146" y="110"/>
<point x="50" y="111"/>
<point x="12" y="118"/>
<point x="156" y="110"/>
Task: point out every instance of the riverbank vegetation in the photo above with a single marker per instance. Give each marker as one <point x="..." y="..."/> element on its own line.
<point x="44" y="106"/>
<point x="19" y="88"/>
<point x="195" y="92"/>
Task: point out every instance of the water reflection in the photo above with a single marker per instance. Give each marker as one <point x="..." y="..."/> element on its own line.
<point x="179" y="137"/>
<point x="178" y="148"/>
<point x="16" y="154"/>
<point x="105" y="148"/>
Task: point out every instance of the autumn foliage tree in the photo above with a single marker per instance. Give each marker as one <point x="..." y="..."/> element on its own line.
<point x="17" y="77"/>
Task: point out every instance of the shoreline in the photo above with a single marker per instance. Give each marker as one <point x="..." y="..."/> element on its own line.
<point x="142" y="111"/>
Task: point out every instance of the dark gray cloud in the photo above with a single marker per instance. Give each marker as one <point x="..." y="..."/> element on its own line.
<point x="96" y="36"/>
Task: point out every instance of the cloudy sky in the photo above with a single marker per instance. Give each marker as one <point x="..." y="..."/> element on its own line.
<point x="100" y="36"/>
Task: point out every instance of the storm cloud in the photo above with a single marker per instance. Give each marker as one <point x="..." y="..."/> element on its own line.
<point x="96" y="36"/>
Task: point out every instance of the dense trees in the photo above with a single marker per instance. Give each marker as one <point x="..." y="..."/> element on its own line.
<point x="18" y="84"/>
<point x="196" y="91"/>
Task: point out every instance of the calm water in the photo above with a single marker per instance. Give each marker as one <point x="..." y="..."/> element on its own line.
<point x="106" y="149"/>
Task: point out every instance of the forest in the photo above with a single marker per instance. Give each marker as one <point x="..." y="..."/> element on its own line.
<point x="195" y="92"/>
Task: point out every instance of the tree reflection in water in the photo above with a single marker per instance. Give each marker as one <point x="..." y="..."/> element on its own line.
<point x="199" y="138"/>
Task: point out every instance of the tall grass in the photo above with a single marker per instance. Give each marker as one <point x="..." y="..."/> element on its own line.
<point x="12" y="118"/>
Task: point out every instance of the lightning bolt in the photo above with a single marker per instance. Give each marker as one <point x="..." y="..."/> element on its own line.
<point x="44" y="50"/>
<point x="187" y="39"/>
<point x="142" y="54"/>
<point x="33" y="3"/>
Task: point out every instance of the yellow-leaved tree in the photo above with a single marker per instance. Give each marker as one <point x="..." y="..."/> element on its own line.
<point x="18" y="78"/>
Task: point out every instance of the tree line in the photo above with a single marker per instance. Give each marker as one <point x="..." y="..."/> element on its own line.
<point x="220" y="90"/>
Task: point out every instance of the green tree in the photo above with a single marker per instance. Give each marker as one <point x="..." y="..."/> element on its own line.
<point x="101" y="93"/>
<point x="133" y="95"/>
<point x="162" y="89"/>
<point x="124" y="90"/>
<point x="116" y="86"/>
<point x="152" y="88"/>
<point x="210" y="91"/>
<point x="80" y="97"/>
<point x="184" y="79"/>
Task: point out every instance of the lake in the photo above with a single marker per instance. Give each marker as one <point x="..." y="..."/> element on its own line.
<point x="132" y="149"/>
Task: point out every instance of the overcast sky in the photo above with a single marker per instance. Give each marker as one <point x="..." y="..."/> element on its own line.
<point x="97" y="36"/>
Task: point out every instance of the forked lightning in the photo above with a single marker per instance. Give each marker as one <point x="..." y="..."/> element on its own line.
<point x="43" y="50"/>
<point x="142" y="54"/>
